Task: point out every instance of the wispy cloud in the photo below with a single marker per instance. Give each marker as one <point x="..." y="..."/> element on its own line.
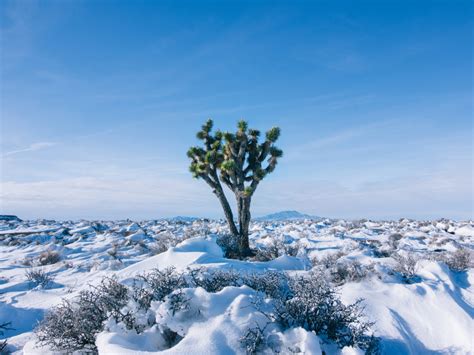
<point x="336" y="139"/>
<point x="32" y="148"/>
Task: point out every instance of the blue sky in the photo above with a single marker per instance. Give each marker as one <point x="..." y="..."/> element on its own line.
<point x="101" y="99"/>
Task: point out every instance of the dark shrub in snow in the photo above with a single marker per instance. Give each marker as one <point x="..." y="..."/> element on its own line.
<point x="3" y="344"/>
<point x="254" y="340"/>
<point x="348" y="270"/>
<point x="406" y="266"/>
<point x="314" y="305"/>
<point x="229" y="245"/>
<point x="39" y="277"/>
<point x="328" y="261"/>
<point x="273" y="283"/>
<point x="214" y="280"/>
<point x="49" y="257"/>
<point x="394" y="239"/>
<point x="460" y="260"/>
<point x="156" y="285"/>
<point x="275" y="249"/>
<point x="74" y="324"/>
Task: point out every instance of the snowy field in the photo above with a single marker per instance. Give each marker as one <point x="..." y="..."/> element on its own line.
<point x="415" y="280"/>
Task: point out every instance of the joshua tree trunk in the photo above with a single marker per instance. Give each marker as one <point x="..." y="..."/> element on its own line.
<point x="243" y="206"/>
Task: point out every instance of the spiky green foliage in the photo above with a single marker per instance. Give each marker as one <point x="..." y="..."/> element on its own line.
<point x="238" y="159"/>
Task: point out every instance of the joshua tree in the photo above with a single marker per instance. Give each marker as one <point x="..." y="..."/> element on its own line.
<point x="238" y="161"/>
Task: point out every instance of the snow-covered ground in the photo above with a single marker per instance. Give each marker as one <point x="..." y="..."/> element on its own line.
<point x="420" y="308"/>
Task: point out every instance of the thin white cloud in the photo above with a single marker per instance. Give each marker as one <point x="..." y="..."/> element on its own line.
<point x="32" y="148"/>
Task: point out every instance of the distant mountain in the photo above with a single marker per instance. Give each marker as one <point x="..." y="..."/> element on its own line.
<point x="7" y="217"/>
<point x="182" y="219"/>
<point x="285" y="215"/>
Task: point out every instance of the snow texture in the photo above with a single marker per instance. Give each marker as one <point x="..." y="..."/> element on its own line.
<point x="429" y="312"/>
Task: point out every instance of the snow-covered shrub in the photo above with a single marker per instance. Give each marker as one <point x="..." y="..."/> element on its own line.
<point x="348" y="270"/>
<point x="3" y="343"/>
<point x="214" y="280"/>
<point x="254" y="340"/>
<point x="328" y="261"/>
<point x="196" y="230"/>
<point x="73" y="324"/>
<point x="460" y="260"/>
<point x="273" y="283"/>
<point x="49" y="257"/>
<point x="394" y="239"/>
<point x="229" y="245"/>
<point x="160" y="283"/>
<point x="39" y="277"/>
<point x="406" y="266"/>
<point x="114" y="251"/>
<point x="275" y="249"/>
<point x="314" y="305"/>
<point x="164" y="241"/>
<point x="177" y="301"/>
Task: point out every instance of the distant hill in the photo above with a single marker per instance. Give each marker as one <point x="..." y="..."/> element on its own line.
<point x="285" y="215"/>
<point x="182" y="219"/>
<point x="7" y="217"/>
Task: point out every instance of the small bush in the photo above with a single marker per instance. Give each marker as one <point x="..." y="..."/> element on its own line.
<point x="74" y="324"/>
<point x="313" y="304"/>
<point x="275" y="249"/>
<point x="3" y="344"/>
<point x="254" y="340"/>
<point x="49" y="257"/>
<point x="156" y="285"/>
<point x="328" y="261"/>
<point x="394" y="240"/>
<point x="214" y="280"/>
<point x="347" y="271"/>
<point x="39" y="278"/>
<point x="229" y="246"/>
<point x="177" y="302"/>
<point x="273" y="283"/>
<point x="460" y="260"/>
<point x="164" y="241"/>
<point x="406" y="266"/>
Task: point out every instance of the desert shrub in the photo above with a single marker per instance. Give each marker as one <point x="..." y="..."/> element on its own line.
<point x="253" y="340"/>
<point x="314" y="305"/>
<point x="73" y="324"/>
<point x="346" y="271"/>
<point x="214" y="280"/>
<point x="382" y="252"/>
<point x="49" y="257"/>
<point x="114" y="251"/>
<point x="273" y="283"/>
<point x="177" y="301"/>
<point x="328" y="261"/>
<point x="195" y="230"/>
<point x="156" y="285"/>
<point x="275" y="249"/>
<point x="460" y="260"/>
<point x="394" y="239"/>
<point x="229" y="245"/>
<point x="406" y="266"/>
<point x="3" y="343"/>
<point x="164" y="241"/>
<point x="39" y="278"/>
